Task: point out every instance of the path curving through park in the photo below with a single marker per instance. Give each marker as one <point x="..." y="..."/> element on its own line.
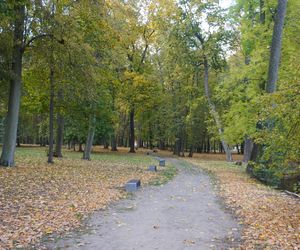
<point x="185" y="213"/>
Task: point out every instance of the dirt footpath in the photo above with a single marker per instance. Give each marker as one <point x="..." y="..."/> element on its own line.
<point x="182" y="214"/>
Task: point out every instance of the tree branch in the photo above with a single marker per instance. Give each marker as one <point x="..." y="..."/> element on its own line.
<point x="61" y="41"/>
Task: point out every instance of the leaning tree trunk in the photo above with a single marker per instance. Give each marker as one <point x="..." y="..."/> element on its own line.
<point x="90" y="138"/>
<point x="214" y="112"/>
<point x="276" y="47"/>
<point x="10" y="135"/>
<point x="131" y="138"/>
<point x="275" y="53"/>
<point x="51" y="115"/>
<point x="59" y="129"/>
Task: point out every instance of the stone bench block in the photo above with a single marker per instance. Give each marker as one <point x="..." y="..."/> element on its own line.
<point x="162" y="162"/>
<point x="152" y="168"/>
<point x="132" y="185"/>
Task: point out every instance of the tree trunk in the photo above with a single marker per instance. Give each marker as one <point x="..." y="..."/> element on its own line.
<point x="274" y="62"/>
<point x="253" y="146"/>
<point x="122" y="138"/>
<point x="59" y="129"/>
<point x="262" y="13"/>
<point x="80" y="149"/>
<point x="242" y="147"/>
<point x="221" y="147"/>
<point x="256" y="152"/>
<point x="214" y="112"/>
<point x="208" y="144"/>
<point x="247" y="149"/>
<point x="177" y="147"/>
<point x="114" y="142"/>
<point x="51" y="115"/>
<point x="10" y="135"/>
<point x="276" y="46"/>
<point x="182" y="144"/>
<point x="191" y="151"/>
<point x="150" y="137"/>
<point x="90" y="138"/>
<point x="106" y="144"/>
<point x="131" y="138"/>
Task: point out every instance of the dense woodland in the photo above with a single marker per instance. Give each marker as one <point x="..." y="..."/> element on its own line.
<point x="186" y="75"/>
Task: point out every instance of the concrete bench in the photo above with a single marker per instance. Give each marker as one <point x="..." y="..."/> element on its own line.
<point x="162" y="162"/>
<point x="132" y="185"/>
<point x="152" y="168"/>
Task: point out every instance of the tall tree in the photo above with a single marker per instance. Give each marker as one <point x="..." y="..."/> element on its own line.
<point x="10" y="136"/>
<point x="275" y="50"/>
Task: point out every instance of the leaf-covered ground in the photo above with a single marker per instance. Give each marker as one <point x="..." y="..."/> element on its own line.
<point x="37" y="199"/>
<point x="271" y="218"/>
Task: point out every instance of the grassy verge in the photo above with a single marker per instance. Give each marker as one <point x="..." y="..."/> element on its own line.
<point x="37" y="199"/>
<point x="165" y="175"/>
<point x="271" y="219"/>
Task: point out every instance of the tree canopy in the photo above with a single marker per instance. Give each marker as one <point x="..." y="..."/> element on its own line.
<point x="189" y="76"/>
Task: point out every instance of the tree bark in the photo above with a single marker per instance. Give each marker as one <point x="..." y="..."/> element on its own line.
<point x="262" y="13"/>
<point x="274" y="62"/>
<point x="59" y="129"/>
<point x="248" y="145"/>
<point x="182" y="144"/>
<point x="51" y="114"/>
<point x="90" y="138"/>
<point x="191" y="151"/>
<point x="150" y="137"/>
<point x="276" y="46"/>
<point x="242" y="147"/>
<point x="131" y="138"/>
<point x="247" y="157"/>
<point x="114" y="142"/>
<point x="80" y="149"/>
<point x="208" y="144"/>
<point x="213" y="110"/>
<point x="106" y="144"/>
<point x="10" y="135"/>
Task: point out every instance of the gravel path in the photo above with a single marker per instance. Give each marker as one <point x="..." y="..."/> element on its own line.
<point x="182" y="214"/>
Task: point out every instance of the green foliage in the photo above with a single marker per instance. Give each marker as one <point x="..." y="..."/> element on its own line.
<point x="270" y="119"/>
<point x="267" y="175"/>
<point x="111" y="57"/>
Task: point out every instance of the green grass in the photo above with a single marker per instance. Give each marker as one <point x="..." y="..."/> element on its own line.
<point x="167" y="174"/>
<point x="41" y="152"/>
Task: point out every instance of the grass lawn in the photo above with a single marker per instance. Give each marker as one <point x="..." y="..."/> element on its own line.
<point x="37" y="198"/>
